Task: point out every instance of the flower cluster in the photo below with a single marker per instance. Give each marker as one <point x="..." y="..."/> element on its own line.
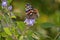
<point x="29" y="22"/>
<point x="10" y="8"/>
<point x="4" y="3"/>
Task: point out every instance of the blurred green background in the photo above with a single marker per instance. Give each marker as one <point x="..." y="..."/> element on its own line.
<point x="47" y="26"/>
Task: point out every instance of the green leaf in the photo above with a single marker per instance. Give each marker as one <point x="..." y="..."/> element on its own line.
<point x="3" y="34"/>
<point x="0" y="7"/>
<point x="9" y="1"/>
<point x="56" y="18"/>
<point x="29" y="32"/>
<point x="35" y="36"/>
<point x="47" y="25"/>
<point x="21" y="37"/>
<point x="7" y="31"/>
<point x="21" y="25"/>
<point x="0" y="17"/>
<point x="30" y="38"/>
<point x="58" y="38"/>
<point x="27" y="38"/>
<point x="9" y="38"/>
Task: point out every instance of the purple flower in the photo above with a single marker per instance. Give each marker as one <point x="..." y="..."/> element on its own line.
<point x="4" y="4"/>
<point x="29" y="22"/>
<point x="10" y="8"/>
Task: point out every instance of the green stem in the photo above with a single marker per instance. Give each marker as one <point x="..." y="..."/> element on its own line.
<point x="57" y="36"/>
